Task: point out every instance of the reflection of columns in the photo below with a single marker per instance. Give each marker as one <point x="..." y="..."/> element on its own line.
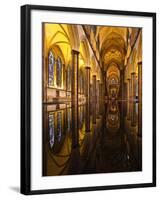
<point x="140" y="99"/>
<point x="87" y="117"/>
<point x="87" y="89"/>
<point x="75" y="128"/>
<point x="75" y="65"/>
<point x="140" y="119"/>
<point x="128" y="88"/>
<point x="128" y="110"/>
<point x="133" y="85"/>
<point x="94" y="111"/>
<point x="140" y="81"/>
<point x="45" y="138"/>
<point x="94" y="87"/>
<point x="133" y="114"/>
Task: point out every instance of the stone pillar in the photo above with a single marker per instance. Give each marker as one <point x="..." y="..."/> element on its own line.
<point x="94" y="87"/>
<point x="44" y="68"/>
<point x="87" y="84"/>
<point x="74" y="86"/>
<point x="133" y="85"/>
<point x="45" y="78"/>
<point x="140" y="99"/>
<point x="75" y="65"/>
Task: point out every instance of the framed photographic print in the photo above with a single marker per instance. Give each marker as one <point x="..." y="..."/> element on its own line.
<point x="88" y="99"/>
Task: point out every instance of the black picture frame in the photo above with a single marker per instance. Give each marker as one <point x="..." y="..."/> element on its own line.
<point x="26" y="98"/>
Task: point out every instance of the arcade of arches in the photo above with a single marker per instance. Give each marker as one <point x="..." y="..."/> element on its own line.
<point x="92" y="99"/>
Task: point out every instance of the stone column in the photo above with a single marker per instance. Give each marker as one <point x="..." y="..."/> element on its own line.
<point x="133" y="85"/>
<point x="75" y="65"/>
<point x="87" y="84"/>
<point x="44" y="68"/>
<point x="74" y="87"/>
<point x="94" y="87"/>
<point x="140" y="99"/>
<point x="45" y="78"/>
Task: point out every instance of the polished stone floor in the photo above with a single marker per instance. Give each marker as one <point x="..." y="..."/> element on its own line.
<point x="100" y="137"/>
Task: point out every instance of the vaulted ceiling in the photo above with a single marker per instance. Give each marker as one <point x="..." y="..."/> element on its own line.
<point x="113" y="45"/>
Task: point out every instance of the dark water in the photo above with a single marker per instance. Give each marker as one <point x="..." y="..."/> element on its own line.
<point x="101" y="137"/>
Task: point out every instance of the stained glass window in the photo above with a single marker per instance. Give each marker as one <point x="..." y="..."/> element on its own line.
<point x="51" y="130"/>
<point x="51" y="61"/>
<point x="59" y="72"/>
<point x="59" y="126"/>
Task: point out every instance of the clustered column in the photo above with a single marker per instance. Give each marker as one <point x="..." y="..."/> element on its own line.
<point x="87" y="93"/>
<point x="94" y="99"/>
<point x="87" y="84"/>
<point x="75" y="66"/>
<point x="94" y="87"/>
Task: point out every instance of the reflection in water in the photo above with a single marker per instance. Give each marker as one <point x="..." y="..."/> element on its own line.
<point x="93" y="138"/>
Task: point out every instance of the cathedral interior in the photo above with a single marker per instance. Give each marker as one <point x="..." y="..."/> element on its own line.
<point x="92" y="99"/>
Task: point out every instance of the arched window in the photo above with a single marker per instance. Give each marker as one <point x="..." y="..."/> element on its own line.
<point x="59" y="72"/>
<point x="51" y="62"/>
<point x="68" y="78"/>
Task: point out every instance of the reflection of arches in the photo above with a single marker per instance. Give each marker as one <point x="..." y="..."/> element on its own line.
<point x="113" y="117"/>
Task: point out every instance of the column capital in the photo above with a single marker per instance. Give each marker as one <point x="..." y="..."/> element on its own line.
<point x="94" y="75"/>
<point x="133" y="73"/>
<point x="75" y="51"/>
<point x="87" y="67"/>
<point x="139" y="63"/>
